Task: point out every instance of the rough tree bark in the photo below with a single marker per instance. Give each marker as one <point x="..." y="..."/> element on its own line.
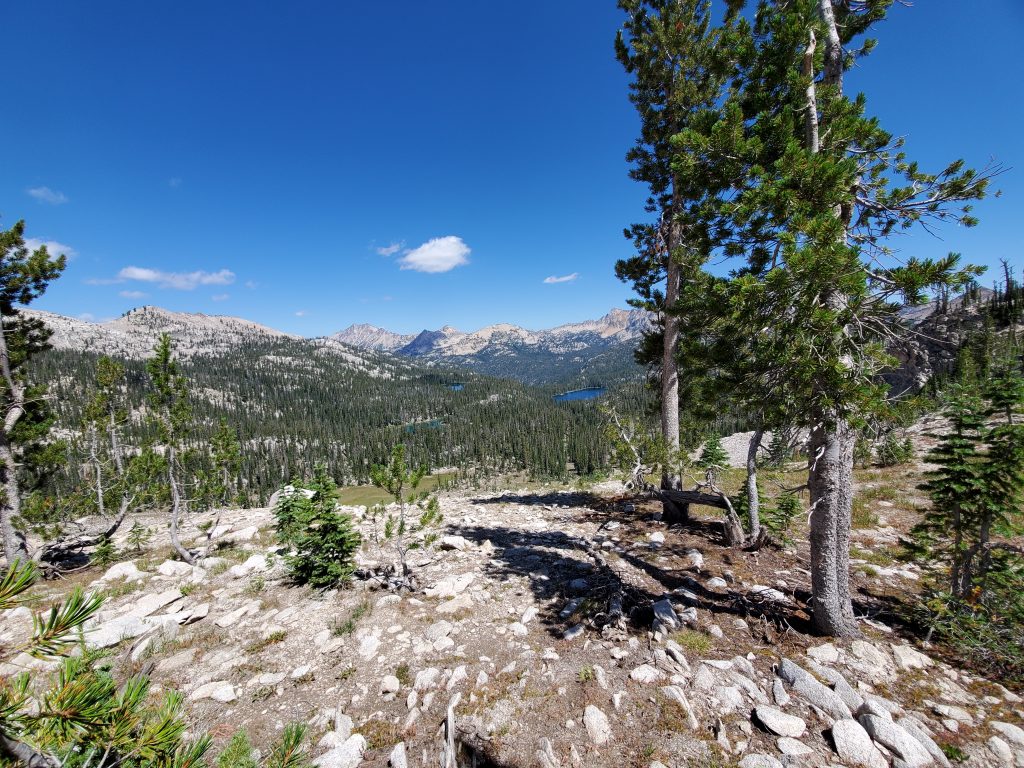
<point x="177" y="504"/>
<point x="830" y="477"/>
<point x="15" y="544"/>
<point x="753" y="496"/>
<point x="670" y="479"/>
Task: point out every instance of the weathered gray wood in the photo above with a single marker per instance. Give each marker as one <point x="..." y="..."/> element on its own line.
<point x="695" y="497"/>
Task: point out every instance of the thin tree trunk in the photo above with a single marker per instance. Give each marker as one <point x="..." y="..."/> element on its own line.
<point x="753" y="496"/>
<point x="670" y="479"/>
<point x="94" y="452"/>
<point x="830" y="480"/>
<point x="15" y="544"/>
<point x="176" y="507"/>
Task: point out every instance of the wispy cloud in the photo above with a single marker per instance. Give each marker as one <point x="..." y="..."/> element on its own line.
<point x="174" y="182"/>
<point x="301" y="313"/>
<point x="48" y="196"/>
<point x="52" y="247"/>
<point x="562" y="278"/>
<point x="390" y="250"/>
<point x="221" y="296"/>
<point x="251" y="285"/>
<point x="133" y="294"/>
<point x="181" y="281"/>
<point x="441" y="254"/>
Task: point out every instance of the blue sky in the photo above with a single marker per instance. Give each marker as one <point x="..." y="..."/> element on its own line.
<point x="284" y="162"/>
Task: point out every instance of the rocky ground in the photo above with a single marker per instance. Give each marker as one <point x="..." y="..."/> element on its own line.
<point x="512" y="650"/>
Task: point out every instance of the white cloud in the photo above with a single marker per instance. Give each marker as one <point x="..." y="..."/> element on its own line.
<point x="221" y="296"/>
<point x="47" y="195"/>
<point x="301" y="313"/>
<point x="52" y="247"/>
<point x="133" y="294"/>
<point x="87" y="316"/>
<point x="390" y="250"/>
<point x="438" y="255"/>
<point x="251" y="284"/>
<point x="182" y="281"/>
<point x="174" y="182"/>
<point x="562" y="279"/>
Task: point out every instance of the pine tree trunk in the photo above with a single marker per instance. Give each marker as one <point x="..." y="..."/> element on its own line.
<point x="176" y="508"/>
<point x="670" y="480"/>
<point x="753" y="496"/>
<point x="831" y="482"/>
<point x="15" y="544"/>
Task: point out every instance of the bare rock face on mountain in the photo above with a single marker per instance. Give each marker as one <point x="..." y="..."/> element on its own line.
<point x="602" y="348"/>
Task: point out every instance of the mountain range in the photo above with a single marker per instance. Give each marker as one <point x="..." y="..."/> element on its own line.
<point x="590" y="352"/>
<point x="586" y="353"/>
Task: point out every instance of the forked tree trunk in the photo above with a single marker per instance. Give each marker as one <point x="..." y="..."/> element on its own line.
<point x="177" y="504"/>
<point x="830" y="481"/>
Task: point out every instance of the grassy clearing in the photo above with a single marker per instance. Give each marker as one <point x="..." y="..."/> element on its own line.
<point x="368" y="495"/>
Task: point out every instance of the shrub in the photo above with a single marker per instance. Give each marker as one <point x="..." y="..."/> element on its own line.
<point x="892" y="451"/>
<point x="105" y="553"/>
<point x="779" y="516"/>
<point x="323" y="540"/>
<point x="81" y="715"/>
<point x="238" y="753"/>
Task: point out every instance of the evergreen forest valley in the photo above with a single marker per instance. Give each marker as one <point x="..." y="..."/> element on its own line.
<point x="768" y="515"/>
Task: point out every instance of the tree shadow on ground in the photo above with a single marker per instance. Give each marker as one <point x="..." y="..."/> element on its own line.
<point x="553" y="560"/>
<point x="552" y="498"/>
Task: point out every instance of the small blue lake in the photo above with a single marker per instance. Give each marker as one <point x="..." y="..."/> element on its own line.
<point x="431" y="424"/>
<point x="456" y="386"/>
<point x="579" y="394"/>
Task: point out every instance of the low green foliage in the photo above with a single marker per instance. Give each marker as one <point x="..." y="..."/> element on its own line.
<point x="138" y="537"/>
<point x="410" y="528"/>
<point x="348" y="626"/>
<point x="80" y="714"/>
<point x="105" y="554"/>
<point x="238" y="753"/>
<point x="323" y="540"/>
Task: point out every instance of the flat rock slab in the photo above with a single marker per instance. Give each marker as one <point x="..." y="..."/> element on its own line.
<point x="598" y="727"/>
<point x="779" y="723"/>
<point x="825" y="699"/>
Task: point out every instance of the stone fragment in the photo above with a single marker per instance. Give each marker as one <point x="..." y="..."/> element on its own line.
<point x="779" y="723"/>
<point x="792" y="747"/>
<point x="854" y="745"/>
<point x="760" y="761"/>
<point x="397" y="757"/>
<point x="915" y="729"/>
<point x="910" y="658"/>
<point x="665" y="615"/>
<point x="645" y="674"/>
<point x="826" y="653"/>
<point x="455" y="542"/>
<point x="817" y="694"/>
<point x="174" y="568"/>
<point x="598" y="727"/>
<point x="218" y="690"/>
<point x="896" y="740"/>
<point x="1012" y="733"/>
<point x="348" y="755"/>
<point x="389" y="684"/>
<point x="126" y="570"/>
<point x="1001" y="750"/>
<point x="676" y="694"/>
<point x="450" y="586"/>
<point x="426" y="679"/>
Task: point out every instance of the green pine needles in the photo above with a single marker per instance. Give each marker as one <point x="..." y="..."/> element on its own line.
<point x="322" y="539"/>
<point x="408" y="526"/>
<point x="81" y="715"/>
<point x="969" y="541"/>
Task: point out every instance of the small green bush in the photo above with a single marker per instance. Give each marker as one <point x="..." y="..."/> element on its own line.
<point x="238" y="753"/>
<point x="323" y="540"/>
<point x="892" y="451"/>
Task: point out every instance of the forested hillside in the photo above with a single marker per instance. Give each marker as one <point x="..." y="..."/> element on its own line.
<point x="294" y="403"/>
